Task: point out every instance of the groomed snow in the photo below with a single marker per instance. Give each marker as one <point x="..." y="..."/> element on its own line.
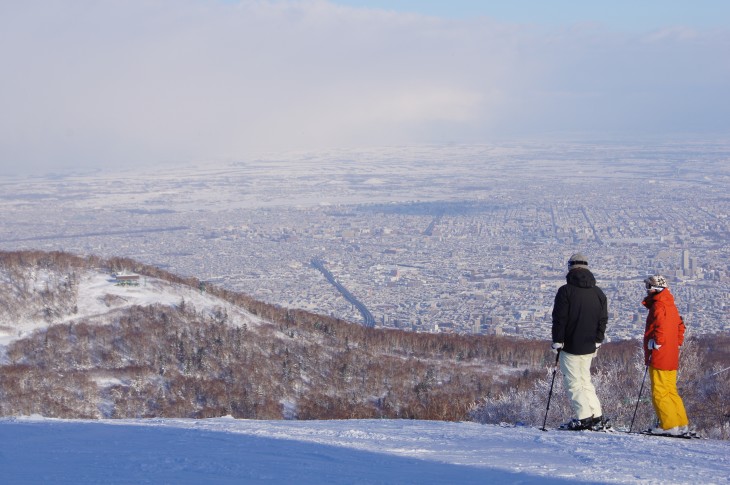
<point x="224" y="450"/>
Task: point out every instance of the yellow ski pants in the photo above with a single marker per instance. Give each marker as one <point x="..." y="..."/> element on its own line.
<point x="668" y="405"/>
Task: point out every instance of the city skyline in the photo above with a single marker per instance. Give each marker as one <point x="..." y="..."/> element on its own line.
<point x="464" y="239"/>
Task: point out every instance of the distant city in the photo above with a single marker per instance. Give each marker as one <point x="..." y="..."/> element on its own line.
<point x="467" y="239"/>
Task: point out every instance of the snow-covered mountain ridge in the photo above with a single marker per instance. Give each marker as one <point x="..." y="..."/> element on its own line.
<point x="78" y="342"/>
<point x="98" y="296"/>
<point x="168" y="346"/>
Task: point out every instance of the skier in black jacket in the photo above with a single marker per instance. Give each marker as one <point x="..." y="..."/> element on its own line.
<point x="580" y="314"/>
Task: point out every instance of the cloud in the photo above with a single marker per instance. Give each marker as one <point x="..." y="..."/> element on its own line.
<point x="91" y="84"/>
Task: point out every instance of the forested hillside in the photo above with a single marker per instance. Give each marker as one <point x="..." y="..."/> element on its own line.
<point x="176" y="360"/>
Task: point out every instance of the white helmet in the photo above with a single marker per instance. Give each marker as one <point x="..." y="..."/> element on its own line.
<point x="657" y="282"/>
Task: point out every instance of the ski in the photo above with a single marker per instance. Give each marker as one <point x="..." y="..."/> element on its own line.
<point x="687" y="436"/>
<point x="599" y="426"/>
<point x="605" y="428"/>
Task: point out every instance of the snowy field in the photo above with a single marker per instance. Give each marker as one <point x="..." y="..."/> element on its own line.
<point x="36" y="450"/>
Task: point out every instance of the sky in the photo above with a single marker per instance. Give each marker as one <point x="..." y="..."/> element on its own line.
<point x="353" y="452"/>
<point x="621" y="14"/>
<point x="99" y="85"/>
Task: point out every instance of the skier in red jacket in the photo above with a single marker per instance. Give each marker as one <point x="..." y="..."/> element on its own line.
<point x="663" y="336"/>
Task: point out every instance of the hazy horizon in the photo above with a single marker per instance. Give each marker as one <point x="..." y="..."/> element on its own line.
<point x="110" y="85"/>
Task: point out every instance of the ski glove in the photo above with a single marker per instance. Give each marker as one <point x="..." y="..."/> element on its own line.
<point x="652" y="345"/>
<point x="556" y="346"/>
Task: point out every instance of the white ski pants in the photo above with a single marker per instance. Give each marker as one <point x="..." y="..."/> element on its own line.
<point x="576" y="371"/>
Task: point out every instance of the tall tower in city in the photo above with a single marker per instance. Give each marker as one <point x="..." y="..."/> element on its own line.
<point x="686" y="266"/>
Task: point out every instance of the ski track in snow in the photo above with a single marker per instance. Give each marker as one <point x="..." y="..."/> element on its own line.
<point x="226" y="450"/>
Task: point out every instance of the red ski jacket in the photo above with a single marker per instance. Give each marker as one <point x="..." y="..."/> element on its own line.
<point x="665" y="326"/>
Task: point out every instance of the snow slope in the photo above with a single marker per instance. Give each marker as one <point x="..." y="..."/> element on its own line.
<point x="98" y="296"/>
<point x="224" y="450"/>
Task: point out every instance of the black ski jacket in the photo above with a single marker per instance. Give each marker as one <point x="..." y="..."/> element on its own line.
<point x="580" y="313"/>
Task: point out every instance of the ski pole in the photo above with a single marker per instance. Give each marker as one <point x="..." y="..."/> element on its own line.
<point x="646" y="369"/>
<point x="550" y="394"/>
<point x="720" y="371"/>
